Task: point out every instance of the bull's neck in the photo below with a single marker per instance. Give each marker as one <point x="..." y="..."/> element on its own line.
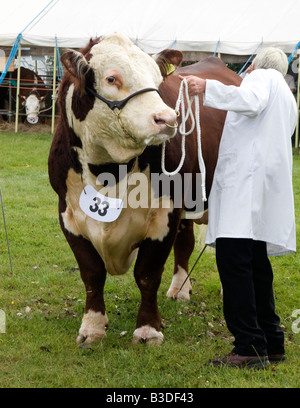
<point x="112" y="152"/>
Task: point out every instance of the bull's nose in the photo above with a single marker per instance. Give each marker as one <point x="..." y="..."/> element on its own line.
<point x="32" y="119"/>
<point x="163" y="120"/>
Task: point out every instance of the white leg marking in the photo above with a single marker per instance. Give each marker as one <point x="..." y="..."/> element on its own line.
<point x="148" y="334"/>
<point x="177" y="281"/>
<point x="92" y="327"/>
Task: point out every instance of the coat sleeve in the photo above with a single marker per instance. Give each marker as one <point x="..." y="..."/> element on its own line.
<point x="249" y="99"/>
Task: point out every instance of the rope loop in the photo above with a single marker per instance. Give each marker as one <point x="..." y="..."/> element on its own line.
<point x="185" y="114"/>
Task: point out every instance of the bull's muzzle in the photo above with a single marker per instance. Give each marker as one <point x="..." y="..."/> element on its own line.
<point x="161" y="120"/>
<point x="32" y="120"/>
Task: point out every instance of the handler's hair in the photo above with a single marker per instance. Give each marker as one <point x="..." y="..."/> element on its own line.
<point x="271" y="57"/>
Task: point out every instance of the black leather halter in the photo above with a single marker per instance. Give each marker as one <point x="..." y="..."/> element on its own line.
<point x="120" y="104"/>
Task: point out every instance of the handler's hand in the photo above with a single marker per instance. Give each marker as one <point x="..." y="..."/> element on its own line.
<point x="196" y="85"/>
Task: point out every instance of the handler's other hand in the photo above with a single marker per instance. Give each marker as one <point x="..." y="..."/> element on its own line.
<point x="196" y="85"/>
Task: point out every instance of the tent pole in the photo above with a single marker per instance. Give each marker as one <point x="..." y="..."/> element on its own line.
<point x="18" y="90"/>
<point x="9" y="101"/>
<point x="298" y="100"/>
<point x="54" y="92"/>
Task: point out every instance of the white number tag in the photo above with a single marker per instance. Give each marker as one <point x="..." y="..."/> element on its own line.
<point x="98" y="206"/>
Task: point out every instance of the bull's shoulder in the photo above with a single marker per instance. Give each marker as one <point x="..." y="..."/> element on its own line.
<point x="25" y="73"/>
<point x="63" y="156"/>
<point x="33" y="81"/>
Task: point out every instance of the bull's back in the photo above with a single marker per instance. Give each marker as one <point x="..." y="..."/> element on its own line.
<point x="211" y="68"/>
<point x="29" y="80"/>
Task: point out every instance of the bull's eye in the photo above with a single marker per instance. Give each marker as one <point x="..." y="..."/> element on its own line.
<point x="111" y="79"/>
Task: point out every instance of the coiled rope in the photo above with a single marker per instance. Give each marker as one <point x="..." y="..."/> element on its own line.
<point x="183" y="90"/>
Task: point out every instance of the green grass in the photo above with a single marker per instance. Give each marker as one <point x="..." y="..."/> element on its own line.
<point x="44" y="299"/>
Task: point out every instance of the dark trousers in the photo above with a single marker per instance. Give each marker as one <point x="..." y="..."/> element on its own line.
<point x="248" y="301"/>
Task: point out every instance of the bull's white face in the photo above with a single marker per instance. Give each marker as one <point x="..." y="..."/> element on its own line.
<point x="120" y="69"/>
<point x="32" y="107"/>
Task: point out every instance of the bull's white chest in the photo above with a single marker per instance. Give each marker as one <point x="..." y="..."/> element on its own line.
<point x="117" y="241"/>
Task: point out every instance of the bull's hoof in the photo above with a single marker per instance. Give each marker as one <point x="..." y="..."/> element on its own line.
<point x="93" y="327"/>
<point x="89" y="338"/>
<point x="148" y="335"/>
<point x="175" y="293"/>
<point x="176" y="290"/>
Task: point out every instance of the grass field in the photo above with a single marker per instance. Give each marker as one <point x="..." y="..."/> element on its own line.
<point x="43" y="302"/>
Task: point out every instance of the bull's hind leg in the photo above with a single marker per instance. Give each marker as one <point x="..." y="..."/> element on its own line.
<point x="93" y="274"/>
<point x="183" y="248"/>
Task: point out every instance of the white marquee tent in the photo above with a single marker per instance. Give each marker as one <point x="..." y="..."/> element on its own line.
<point x="235" y="27"/>
<point x="238" y="27"/>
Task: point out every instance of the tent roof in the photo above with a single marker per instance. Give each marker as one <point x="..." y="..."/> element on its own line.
<point x="232" y="26"/>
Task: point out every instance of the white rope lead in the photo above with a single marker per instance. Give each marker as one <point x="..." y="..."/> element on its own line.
<point x="182" y="130"/>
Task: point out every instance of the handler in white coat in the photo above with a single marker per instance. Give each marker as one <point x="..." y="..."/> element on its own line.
<point x="251" y="204"/>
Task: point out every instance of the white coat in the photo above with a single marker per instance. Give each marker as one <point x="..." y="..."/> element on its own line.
<point x="252" y="192"/>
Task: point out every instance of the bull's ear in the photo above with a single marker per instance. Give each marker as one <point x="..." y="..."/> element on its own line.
<point x="75" y="63"/>
<point x="168" y="61"/>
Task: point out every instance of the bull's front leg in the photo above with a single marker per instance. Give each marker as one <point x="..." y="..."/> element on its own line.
<point x="93" y="274"/>
<point x="148" y="271"/>
<point x="183" y="248"/>
<point x="95" y="320"/>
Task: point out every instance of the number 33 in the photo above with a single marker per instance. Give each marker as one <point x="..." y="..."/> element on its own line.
<point x="95" y="208"/>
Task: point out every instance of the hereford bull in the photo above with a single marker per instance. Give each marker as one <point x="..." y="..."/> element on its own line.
<point x="32" y="94"/>
<point x="112" y="123"/>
